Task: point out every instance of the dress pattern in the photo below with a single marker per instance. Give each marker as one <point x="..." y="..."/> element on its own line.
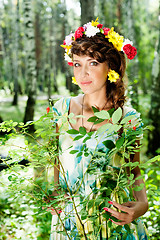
<point x="74" y="171"/>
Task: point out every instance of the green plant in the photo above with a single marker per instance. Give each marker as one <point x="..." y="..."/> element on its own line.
<point x="42" y="153"/>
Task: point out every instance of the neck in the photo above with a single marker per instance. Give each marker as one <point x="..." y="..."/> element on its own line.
<point x="98" y="101"/>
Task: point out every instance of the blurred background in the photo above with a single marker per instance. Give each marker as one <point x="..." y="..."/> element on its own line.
<point x="32" y="71"/>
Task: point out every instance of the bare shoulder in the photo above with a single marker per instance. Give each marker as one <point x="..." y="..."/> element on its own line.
<point x="76" y="104"/>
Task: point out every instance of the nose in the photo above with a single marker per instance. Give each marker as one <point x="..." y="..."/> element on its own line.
<point x="84" y="70"/>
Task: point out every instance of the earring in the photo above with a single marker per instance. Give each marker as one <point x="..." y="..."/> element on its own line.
<point x="113" y="76"/>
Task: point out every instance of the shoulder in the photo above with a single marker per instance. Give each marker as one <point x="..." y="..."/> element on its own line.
<point x="130" y="111"/>
<point x="76" y="104"/>
<point x="61" y="106"/>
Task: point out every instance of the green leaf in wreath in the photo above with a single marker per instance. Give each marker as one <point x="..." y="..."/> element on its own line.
<point x="117" y="115"/>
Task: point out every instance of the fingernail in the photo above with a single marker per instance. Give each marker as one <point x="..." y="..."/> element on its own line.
<point x="106" y="209"/>
<point x="110" y="202"/>
<point x="111" y="220"/>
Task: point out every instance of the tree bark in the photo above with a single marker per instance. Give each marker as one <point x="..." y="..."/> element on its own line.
<point x="154" y="114"/>
<point x="133" y="69"/>
<point x="16" y="62"/>
<point x="87" y="11"/>
<point x="31" y="73"/>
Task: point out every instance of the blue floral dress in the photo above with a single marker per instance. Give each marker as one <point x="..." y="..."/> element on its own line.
<point x="74" y="171"/>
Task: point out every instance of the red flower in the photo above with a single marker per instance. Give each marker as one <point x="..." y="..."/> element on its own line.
<point x="129" y="121"/>
<point x="70" y="64"/>
<point x="134" y="128"/>
<point x="99" y="25"/>
<point x="47" y="109"/>
<point x="106" y="30"/>
<point x="64" y="42"/>
<point x="130" y="51"/>
<point x="79" y="32"/>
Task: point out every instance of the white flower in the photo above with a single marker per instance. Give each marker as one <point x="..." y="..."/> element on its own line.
<point x="91" y="31"/>
<point x="85" y="26"/>
<point x="68" y="39"/>
<point x="126" y="41"/>
<point x="67" y="58"/>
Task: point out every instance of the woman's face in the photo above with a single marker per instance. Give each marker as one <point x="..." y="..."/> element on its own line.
<point x="90" y="74"/>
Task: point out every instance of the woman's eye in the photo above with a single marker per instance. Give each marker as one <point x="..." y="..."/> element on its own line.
<point x="76" y="65"/>
<point x="94" y="63"/>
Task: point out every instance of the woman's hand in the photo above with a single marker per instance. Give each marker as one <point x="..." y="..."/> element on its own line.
<point x="129" y="211"/>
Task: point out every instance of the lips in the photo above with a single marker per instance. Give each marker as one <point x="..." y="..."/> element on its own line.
<point x="86" y="82"/>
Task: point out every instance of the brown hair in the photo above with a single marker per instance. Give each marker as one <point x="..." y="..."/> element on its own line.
<point x="99" y="48"/>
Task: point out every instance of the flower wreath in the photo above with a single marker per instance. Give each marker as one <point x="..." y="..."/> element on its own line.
<point x="91" y="29"/>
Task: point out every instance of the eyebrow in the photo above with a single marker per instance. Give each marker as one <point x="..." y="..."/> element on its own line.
<point x="90" y="59"/>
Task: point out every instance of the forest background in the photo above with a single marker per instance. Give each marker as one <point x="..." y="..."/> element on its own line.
<point x="32" y="71"/>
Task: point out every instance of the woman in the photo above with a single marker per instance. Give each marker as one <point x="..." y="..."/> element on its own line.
<point x="97" y="55"/>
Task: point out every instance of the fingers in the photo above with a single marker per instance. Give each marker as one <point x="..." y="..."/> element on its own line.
<point x="118" y="223"/>
<point x="124" y="217"/>
<point x="123" y="207"/>
<point x="118" y="215"/>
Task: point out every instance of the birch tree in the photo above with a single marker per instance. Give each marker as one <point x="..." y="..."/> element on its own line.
<point x="16" y="50"/>
<point x="154" y="115"/>
<point x="129" y="32"/>
<point x="31" y="73"/>
<point x="87" y="11"/>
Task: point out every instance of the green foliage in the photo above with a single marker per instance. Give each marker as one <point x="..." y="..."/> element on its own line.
<point x="42" y="152"/>
<point x="21" y="218"/>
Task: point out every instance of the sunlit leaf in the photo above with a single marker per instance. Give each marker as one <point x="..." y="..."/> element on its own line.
<point x="117" y="115"/>
<point x="102" y="114"/>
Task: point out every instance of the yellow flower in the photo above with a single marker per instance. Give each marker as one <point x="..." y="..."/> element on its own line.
<point x="115" y="39"/>
<point x="74" y="81"/>
<point x="66" y="47"/>
<point x="94" y="24"/>
<point x="113" y="76"/>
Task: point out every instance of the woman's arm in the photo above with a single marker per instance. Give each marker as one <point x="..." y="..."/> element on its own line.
<point x="132" y="210"/>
